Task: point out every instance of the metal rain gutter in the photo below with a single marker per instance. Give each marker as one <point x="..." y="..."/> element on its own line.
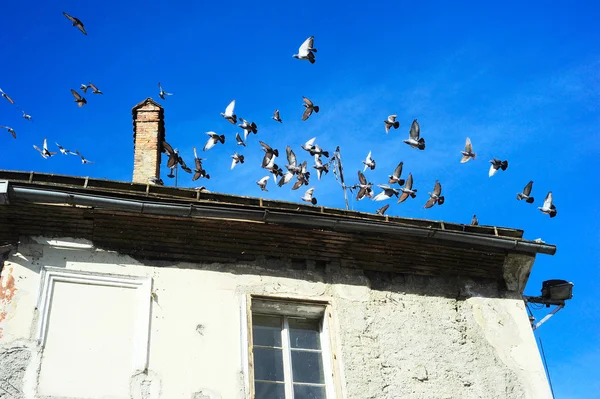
<point x="44" y="195"/>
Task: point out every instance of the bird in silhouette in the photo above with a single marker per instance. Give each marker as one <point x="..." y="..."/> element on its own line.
<point x="391" y="123"/>
<point x="161" y="93"/>
<point x="395" y="177"/>
<point x="414" y="136"/>
<point x="199" y="171"/>
<point x="310" y="107"/>
<point x="44" y="150"/>
<point x="276" y="117"/>
<point x="497" y="164"/>
<point x="76" y="22"/>
<point x="382" y="210"/>
<point x="262" y="183"/>
<point x="10" y="100"/>
<point x="10" y="130"/>
<point x="474" y="221"/>
<point x="526" y="194"/>
<point x="78" y="99"/>
<point x="236" y="158"/>
<point x="83" y="159"/>
<point x="213" y="139"/>
<point x="407" y="190"/>
<point x="436" y="196"/>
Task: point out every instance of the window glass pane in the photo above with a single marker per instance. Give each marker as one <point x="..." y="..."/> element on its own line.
<point x="266" y="330"/>
<point x="269" y="390"/>
<point x="304" y="334"/>
<point x="308" y="392"/>
<point x="268" y="364"/>
<point x="307" y="367"/>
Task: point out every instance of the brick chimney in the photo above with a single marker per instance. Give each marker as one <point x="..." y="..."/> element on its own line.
<point x="148" y="135"/>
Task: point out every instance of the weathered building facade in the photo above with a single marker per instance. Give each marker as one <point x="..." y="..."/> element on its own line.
<point x="130" y="290"/>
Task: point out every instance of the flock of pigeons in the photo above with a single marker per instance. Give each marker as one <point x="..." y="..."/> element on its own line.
<point x="396" y="186"/>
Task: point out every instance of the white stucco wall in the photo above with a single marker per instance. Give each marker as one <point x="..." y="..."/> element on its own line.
<point x="396" y="337"/>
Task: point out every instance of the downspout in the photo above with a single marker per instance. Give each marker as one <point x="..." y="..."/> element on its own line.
<point x="43" y="195"/>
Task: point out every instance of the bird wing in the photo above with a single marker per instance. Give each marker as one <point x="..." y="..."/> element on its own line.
<point x="291" y="157"/>
<point x="76" y="95"/>
<point x="45" y="145"/>
<point x="528" y="187"/>
<point x="209" y="144"/>
<point x="267" y="159"/>
<point x="234" y="161"/>
<point x="307" y="102"/>
<point x="78" y="153"/>
<point x="548" y="200"/>
<point x="310" y="142"/>
<point x="437" y="189"/>
<point x="307" y="113"/>
<point x="465" y="158"/>
<point x="369" y="160"/>
<point x="415" y="130"/>
<point x="384" y="186"/>
<point x="381" y="196"/>
<point x="72" y="19"/>
<point x="387" y="128"/>
<point x="492" y="171"/>
<point x="398" y="170"/>
<point x="382" y="210"/>
<point x="392" y="118"/>
<point x="94" y="88"/>
<point x="403" y="197"/>
<point x="167" y="148"/>
<point x="309" y="192"/>
<point x="264" y="180"/>
<point x="265" y="146"/>
<point x="468" y="146"/>
<point x="230" y="108"/>
<point x="308" y="43"/>
<point x="361" y="178"/>
<point x="37" y="148"/>
<point x="276" y="114"/>
<point x="409" y="182"/>
<point x="318" y="162"/>
<point x="430" y="202"/>
<point x="81" y="28"/>
<point x="238" y="138"/>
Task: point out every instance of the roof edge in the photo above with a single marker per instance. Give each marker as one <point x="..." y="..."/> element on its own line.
<point x="51" y="195"/>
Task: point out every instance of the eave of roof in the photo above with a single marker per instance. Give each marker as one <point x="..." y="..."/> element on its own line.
<point x="205" y="204"/>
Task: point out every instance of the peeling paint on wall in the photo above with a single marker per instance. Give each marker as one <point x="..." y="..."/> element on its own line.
<point x="7" y="292"/>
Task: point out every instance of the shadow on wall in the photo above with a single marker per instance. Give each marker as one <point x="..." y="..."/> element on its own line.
<point x="82" y="251"/>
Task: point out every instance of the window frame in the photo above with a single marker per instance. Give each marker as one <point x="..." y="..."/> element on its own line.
<point x="289" y="307"/>
<point x="143" y="286"/>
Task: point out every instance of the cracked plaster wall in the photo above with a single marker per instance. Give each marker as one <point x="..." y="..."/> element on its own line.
<point x="395" y="336"/>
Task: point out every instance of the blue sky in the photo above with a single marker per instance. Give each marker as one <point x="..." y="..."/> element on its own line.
<point x="521" y="80"/>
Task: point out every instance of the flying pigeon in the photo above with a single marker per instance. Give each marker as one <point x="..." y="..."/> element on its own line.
<point x="369" y="162"/>
<point x="548" y="208"/>
<point x="270" y="155"/>
<point x="10" y="100"/>
<point x="474" y="220"/>
<point x="391" y="122"/>
<point x="63" y="150"/>
<point x="236" y="158"/>
<point x="172" y="154"/>
<point x="386" y="193"/>
<point x="526" y="194"/>
<point x="84" y="88"/>
<point x="395" y="177"/>
<point x="292" y="165"/>
<point x="308" y="196"/>
<point x="156" y="180"/>
<point x="83" y="160"/>
<point x="320" y="166"/>
<point x="10" y="130"/>
<point x="199" y="171"/>
<point x="306" y="50"/>
<point x="364" y="187"/>
<point x="308" y="146"/>
<point x="214" y="139"/>
<point x="382" y="210"/>
<point x="44" y="151"/>
<point x="25" y="116"/>
<point x="316" y="150"/>
<point x="309" y="108"/>
<point x="249" y="127"/>
<point x="468" y="152"/>
<point x="76" y="22"/>
<point x="229" y="115"/>
<point x="262" y="183"/>
<point x="95" y="90"/>
<point x="414" y="139"/>
<point x="78" y="99"/>
<point x="407" y="190"/>
<point x="497" y="164"/>
<point x="162" y="93"/>
<point x="436" y="196"/>
<point x="286" y="178"/>
<point x="302" y="180"/>
<point x="239" y="140"/>
<point x="276" y="117"/>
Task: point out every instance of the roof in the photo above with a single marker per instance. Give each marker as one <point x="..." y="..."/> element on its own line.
<point x="185" y="224"/>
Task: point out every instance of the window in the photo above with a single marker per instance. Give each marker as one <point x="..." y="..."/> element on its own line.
<point x="290" y="350"/>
